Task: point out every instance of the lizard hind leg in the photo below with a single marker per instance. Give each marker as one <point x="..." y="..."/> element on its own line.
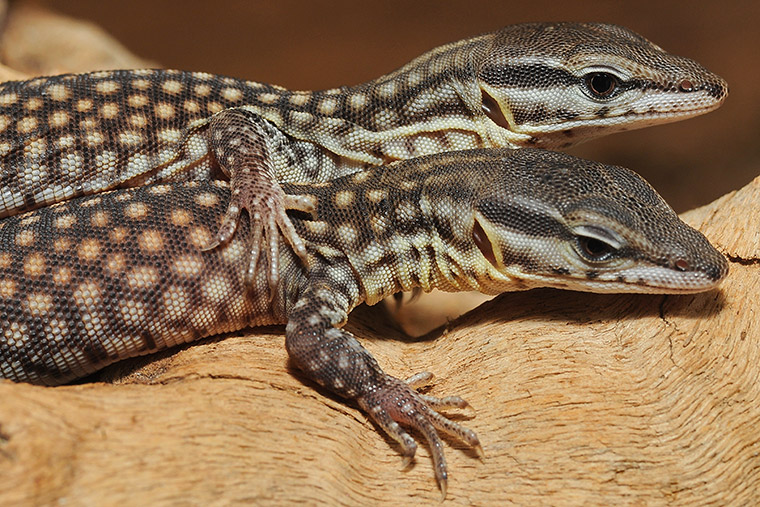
<point x="239" y="144"/>
<point x="334" y="358"/>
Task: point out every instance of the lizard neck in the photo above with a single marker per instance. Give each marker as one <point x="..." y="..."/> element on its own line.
<point x="430" y="105"/>
<point x="401" y="229"/>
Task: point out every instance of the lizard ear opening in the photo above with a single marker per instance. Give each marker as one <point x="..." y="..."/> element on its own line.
<point x="480" y="238"/>
<point x="492" y="109"/>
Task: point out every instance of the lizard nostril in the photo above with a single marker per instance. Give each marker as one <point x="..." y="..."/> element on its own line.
<point x="682" y="265"/>
<point x="686" y="86"/>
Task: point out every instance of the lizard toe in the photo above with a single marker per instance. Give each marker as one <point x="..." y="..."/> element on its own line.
<point x="396" y="403"/>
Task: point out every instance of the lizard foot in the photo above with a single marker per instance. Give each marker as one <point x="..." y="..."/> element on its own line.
<point x="397" y="402"/>
<point x="267" y="206"/>
<point x="240" y="143"/>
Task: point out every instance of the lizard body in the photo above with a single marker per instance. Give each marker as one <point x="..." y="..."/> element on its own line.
<point x="539" y="84"/>
<point x="97" y="279"/>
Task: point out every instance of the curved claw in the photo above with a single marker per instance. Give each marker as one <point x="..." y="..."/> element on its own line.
<point x="269" y="219"/>
<point x="397" y="402"/>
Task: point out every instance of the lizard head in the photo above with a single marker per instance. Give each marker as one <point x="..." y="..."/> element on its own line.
<point x="550" y="219"/>
<point x="552" y="85"/>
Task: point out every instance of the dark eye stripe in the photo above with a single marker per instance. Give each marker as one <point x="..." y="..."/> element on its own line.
<point x="539" y="76"/>
<point x="523" y="220"/>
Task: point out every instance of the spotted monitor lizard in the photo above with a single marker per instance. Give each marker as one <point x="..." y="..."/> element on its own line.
<point x="545" y="85"/>
<point x="101" y="278"/>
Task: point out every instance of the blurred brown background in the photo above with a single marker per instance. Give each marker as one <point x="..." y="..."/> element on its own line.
<point x="319" y="44"/>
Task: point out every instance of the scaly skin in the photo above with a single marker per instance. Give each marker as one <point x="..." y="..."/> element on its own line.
<point x="541" y="84"/>
<point x="101" y="278"/>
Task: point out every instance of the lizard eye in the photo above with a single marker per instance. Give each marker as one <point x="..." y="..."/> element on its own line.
<point x="601" y="84"/>
<point x="594" y="249"/>
<point x="686" y="86"/>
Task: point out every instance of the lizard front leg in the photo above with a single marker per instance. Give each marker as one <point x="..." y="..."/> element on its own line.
<point x="336" y="360"/>
<point x="241" y="147"/>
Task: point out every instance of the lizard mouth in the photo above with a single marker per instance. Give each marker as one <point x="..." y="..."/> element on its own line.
<point x="567" y="133"/>
<point x="635" y="119"/>
<point x="656" y="280"/>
